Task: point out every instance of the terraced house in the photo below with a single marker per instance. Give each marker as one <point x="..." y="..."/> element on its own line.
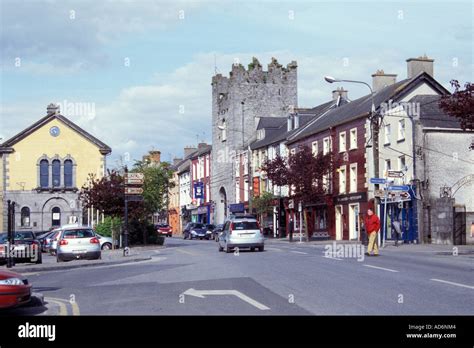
<point x="43" y="168"/>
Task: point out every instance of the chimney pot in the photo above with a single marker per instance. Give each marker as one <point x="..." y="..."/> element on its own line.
<point x="381" y="80"/>
<point x="415" y="66"/>
<point x="339" y="92"/>
<point x="52" y="109"/>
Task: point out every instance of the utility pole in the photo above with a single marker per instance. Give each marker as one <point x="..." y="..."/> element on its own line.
<point x="125" y="232"/>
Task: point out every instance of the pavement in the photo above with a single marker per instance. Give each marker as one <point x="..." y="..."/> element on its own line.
<point x="192" y="278"/>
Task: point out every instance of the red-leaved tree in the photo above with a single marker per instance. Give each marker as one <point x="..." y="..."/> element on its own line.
<point x="460" y="104"/>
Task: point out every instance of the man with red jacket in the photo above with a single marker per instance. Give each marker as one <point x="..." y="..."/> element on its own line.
<point x="372" y="226"/>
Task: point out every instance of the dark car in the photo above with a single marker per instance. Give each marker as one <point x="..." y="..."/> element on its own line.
<point x="209" y="229"/>
<point x="164" y="229"/>
<point x="43" y="239"/>
<point x="26" y="247"/>
<point x="216" y="231"/>
<point x="194" y="230"/>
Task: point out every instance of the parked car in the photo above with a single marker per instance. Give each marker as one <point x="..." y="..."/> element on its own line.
<point x="14" y="289"/>
<point x="106" y="242"/>
<point x="42" y="239"/>
<point x="53" y="242"/>
<point x="241" y="233"/>
<point x="164" y="229"/>
<point x="77" y="243"/>
<point x="216" y="231"/>
<point x="26" y="247"/>
<point x="209" y="229"/>
<point x="195" y="230"/>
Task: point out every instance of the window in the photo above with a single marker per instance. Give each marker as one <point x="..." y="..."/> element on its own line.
<point x="342" y="179"/>
<point x="246" y="163"/>
<point x="401" y="163"/>
<point x="388" y="166"/>
<point x="326" y="145"/>
<point x="342" y="141"/>
<point x="293" y="151"/>
<point x="224" y="130"/>
<point x="44" y="173"/>
<point x="246" y="191"/>
<point x="245" y="225"/>
<point x="353" y="139"/>
<point x="401" y="130"/>
<point x="68" y="173"/>
<point x="353" y="178"/>
<point x="25" y="217"/>
<point x="56" y="173"/>
<point x="314" y="148"/>
<point x="237" y="191"/>
<point x="320" y="219"/>
<point x="56" y="216"/>
<point x="387" y="134"/>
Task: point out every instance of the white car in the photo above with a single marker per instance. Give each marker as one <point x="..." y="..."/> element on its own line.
<point x="241" y="233"/>
<point x="106" y="242"/>
<point x="77" y="243"/>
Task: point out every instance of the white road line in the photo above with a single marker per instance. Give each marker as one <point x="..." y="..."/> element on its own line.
<point x="243" y="297"/>
<point x="332" y="258"/>
<point x="274" y="249"/>
<point x="298" y="252"/>
<point x="452" y="283"/>
<point x="383" y="269"/>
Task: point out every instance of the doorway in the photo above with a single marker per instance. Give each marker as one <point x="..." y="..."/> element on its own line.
<point x="354" y="221"/>
<point x="338" y="222"/>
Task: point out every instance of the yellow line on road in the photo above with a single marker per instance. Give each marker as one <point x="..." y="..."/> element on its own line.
<point x="74" y="305"/>
<point x="62" y="306"/>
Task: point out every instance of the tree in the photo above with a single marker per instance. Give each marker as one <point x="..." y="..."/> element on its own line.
<point x="460" y="104"/>
<point x="303" y="173"/>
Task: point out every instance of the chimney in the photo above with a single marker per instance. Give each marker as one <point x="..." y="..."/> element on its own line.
<point x="155" y="157"/>
<point x="52" y="109"/>
<point x="202" y="145"/>
<point x="289" y="123"/>
<point x="176" y="160"/>
<point x="417" y="65"/>
<point x="297" y="121"/>
<point x="339" y="92"/>
<point x="381" y="80"/>
<point x="188" y="150"/>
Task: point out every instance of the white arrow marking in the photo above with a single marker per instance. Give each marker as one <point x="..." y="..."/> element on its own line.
<point x="203" y="293"/>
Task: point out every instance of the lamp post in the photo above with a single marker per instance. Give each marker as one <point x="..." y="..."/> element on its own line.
<point x="374" y="121"/>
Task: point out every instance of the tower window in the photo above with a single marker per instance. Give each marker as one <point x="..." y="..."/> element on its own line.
<point x="56" y="173"/>
<point x="68" y="173"/>
<point x="44" y="173"/>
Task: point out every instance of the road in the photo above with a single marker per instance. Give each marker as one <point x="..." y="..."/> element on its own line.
<point x="192" y="277"/>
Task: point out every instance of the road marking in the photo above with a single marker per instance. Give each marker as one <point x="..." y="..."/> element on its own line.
<point x="452" y="283"/>
<point x="62" y="306"/>
<point x="274" y="249"/>
<point x="332" y="258"/>
<point x="203" y="293"/>
<point x="298" y="252"/>
<point x="383" y="269"/>
<point x="187" y="252"/>
<point x="61" y="301"/>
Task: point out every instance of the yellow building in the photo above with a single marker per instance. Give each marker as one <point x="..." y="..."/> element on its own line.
<point x="43" y="169"/>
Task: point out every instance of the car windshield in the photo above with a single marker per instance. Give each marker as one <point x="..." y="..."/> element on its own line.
<point x="70" y="234"/>
<point x="24" y="235"/>
<point x="3" y="237"/>
<point x="210" y="226"/>
<point x="198" y="226"/>
<point x="245" y="225"/>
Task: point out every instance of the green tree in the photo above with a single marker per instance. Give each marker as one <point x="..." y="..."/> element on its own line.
<point x="263" y="203"/>
<point x="110" y="225"/>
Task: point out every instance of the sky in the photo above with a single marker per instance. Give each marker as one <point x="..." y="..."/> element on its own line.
<point x="137" y="73"/>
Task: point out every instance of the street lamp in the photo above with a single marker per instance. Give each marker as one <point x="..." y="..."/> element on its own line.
<point x="373" y="120"/>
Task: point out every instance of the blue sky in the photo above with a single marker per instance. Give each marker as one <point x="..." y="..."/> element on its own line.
<point x="76" y="50"/>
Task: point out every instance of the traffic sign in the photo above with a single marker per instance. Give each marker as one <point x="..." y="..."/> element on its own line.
<point x="377" y="180"/>
<point x="133" y="190"/>
<point x="398" y="188"/>
<point x="133" y="198"/>
<point x="395" y="174"/>
<point x="134" y="179"/>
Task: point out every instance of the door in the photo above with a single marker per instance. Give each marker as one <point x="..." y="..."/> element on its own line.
<point x="338" y="222"/>
<point x="459" y="226"/>
<point x="353" y="221"/>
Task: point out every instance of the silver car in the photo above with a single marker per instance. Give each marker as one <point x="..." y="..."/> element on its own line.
<point x="106" y="242"/>
<point x="77" y="243"/>
<point x="241" y="233"/>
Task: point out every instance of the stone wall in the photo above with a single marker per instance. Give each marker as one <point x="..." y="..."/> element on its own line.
<point x="441" y="210"/>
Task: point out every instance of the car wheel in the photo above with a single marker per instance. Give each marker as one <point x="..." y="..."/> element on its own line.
<point x="39" y="261"/>
<point x="221" y="248"/>
<point x="106" y="246"/>
<point x="228" y="250"/>
<point x="58" y="259"/>
<point x="261" y="248"/>
<point x="252" y="249"/>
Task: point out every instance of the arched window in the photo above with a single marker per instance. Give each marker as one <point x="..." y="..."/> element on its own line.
<point x="25" y="217"/>
<point x="44" y="173"/>
<point x="56" y="217"/>
<point x="56" y="173"/>
<point x="68" y="173"/>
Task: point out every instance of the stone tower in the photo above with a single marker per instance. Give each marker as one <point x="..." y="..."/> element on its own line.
<point x="238" y="101"/>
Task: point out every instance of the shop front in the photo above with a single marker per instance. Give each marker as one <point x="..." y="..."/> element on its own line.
<point x="349" y="210"/>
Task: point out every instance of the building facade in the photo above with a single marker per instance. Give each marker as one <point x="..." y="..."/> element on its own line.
<point x="43" y="169"/>
<point x="201" y="184"/>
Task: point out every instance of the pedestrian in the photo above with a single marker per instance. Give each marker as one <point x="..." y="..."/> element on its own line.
<point x="372" y="226"/>
<point x="290" y="229"/>
<point x="397" y="228"/>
